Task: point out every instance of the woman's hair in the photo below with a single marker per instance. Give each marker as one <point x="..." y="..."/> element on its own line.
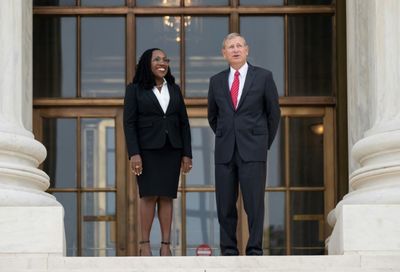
<point x="144" y="76"/>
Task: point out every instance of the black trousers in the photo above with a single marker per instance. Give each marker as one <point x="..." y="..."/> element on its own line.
<point x="251" y="177"/>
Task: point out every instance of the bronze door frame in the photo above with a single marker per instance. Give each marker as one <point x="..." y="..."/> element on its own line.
<point x="123" y="221"/>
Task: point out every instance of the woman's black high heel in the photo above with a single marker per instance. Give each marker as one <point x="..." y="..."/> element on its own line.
<point x="140" y="249"/>
<point x="166" y="243"/>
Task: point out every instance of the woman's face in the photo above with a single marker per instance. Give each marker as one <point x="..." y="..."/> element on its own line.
<point x="159" y="64"/>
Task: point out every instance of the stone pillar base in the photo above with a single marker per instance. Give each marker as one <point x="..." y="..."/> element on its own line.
<point x="32" y="230"/>
<point x="366" y="229"/>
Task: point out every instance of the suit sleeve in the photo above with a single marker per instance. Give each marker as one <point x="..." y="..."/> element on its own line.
<point x="212" y="109"/>
<point x="185" y="127"/>
<point x="130" y="120"/>
<point x="273" y="109"/>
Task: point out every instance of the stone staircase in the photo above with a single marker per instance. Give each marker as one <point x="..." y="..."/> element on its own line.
<point x="345" y="263"/>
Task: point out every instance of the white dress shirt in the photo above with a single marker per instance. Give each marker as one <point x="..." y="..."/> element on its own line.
<point x="162" y="96"/>
<point x="242" y="78"/>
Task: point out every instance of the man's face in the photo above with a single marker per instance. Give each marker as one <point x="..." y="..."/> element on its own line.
<point x="235" y="51"/>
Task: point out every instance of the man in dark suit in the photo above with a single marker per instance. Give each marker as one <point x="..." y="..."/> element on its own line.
<point x="243" y="112"/>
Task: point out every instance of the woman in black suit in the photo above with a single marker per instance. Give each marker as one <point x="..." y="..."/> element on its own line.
<point x="158" y="138"/>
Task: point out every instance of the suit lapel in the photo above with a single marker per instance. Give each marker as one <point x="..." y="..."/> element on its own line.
<point x="153" y="98"/>
<point x="247" y="84"/>
<point x="172" y="98"/>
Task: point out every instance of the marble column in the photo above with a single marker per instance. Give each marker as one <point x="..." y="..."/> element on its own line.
<point x="25" y="207"/>
<point x="367" y="220"/>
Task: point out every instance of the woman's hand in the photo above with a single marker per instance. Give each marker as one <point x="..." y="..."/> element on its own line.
<point x="136" y="165"/>
<point x="186" y="165"/>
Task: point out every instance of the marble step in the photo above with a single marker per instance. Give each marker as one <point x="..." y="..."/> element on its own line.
<point x="347" y="263"/>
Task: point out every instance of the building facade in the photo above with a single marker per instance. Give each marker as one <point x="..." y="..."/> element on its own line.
<point x="84" y="54"/>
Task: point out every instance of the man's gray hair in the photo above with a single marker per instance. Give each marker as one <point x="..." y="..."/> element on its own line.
<point x="232" y="35"/>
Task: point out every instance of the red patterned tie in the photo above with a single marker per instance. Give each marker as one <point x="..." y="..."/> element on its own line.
<point x="235" y="89"/>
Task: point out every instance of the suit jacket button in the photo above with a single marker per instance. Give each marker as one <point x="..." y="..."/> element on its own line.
<point x="166" y="131"/>
<point x="164" y="116"/>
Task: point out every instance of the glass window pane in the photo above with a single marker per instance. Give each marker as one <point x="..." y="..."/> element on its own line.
<point x="189" y="3"/>
<point x="275" y="161"/>
<point x="110" y="156"/>
<point x="98" y="204"/>
<point x="99" y="238"/>
<point x="306" y="151"/>
<point x="59" y="138"/>
<point x="308" y="251"/>
<point x="260" y="2"/>
<point x="162" y="3"/>
<point x="310" y="55"/>
<point x="309" y="2"/>
<point x="203" y="59"/>
<point x="54" y="2"/>
<point x="68" y="200"/>
<point x="307" y="234"/>
<point x="201" y="222"/>
<point x="54" y="56"/>
<point x="98" y="153"/>
<point x="307" y="219"/>
<point x="274" y="224"/>
<point x="160" y="32"/>
<point x="307" y="203"/>
<point x="176" y="230"/>
<point x="103" y="57"/>
<point x="102" y="2"/>
<point x="202" y="173"/>
<point x="265" y="51"/>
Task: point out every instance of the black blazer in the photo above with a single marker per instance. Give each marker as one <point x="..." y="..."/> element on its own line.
<point x="146" y="125"/>
<point x="255" y="122"/>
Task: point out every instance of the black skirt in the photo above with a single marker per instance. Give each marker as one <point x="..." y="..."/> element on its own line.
<point x="161" y="169"/>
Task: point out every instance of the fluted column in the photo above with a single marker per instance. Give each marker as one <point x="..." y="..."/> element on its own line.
<point x="366" y="220"/>
<point x="31" y="221"/>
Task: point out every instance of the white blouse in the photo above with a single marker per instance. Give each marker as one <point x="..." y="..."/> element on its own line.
<point x="162" y="96"/>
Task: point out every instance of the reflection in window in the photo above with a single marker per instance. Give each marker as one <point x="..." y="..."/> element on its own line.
<point x="99" y="238"/>
<point x="275" y="160"/>
<point x="98" y="153"/>
<point x="98" y="226"/>
<point x="103" y="57"/>
<point x="309" y="2"/>
<point x="59" y="138"/>
<point x="306" y="151"/>
<point x="265" y="37"/>
<point x="310" y="55"/>
<point x="157" y="32"/>
<point x="54" y="2"/>
<point x="98" y="204"/>
<point x="260" y="2"/>
<point x="54" y="56"/>
<point x="189" y="3"/>
<point x="202" y="173"/>
<point x="203" y="59"/>
<point x="102" y="3"/>
<point x="161" y="3"/>
<point x="274" y="224"/>
<point x="68" y="201"/>
<point x="307" y="219"/>
<point x="201" y="222"/>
